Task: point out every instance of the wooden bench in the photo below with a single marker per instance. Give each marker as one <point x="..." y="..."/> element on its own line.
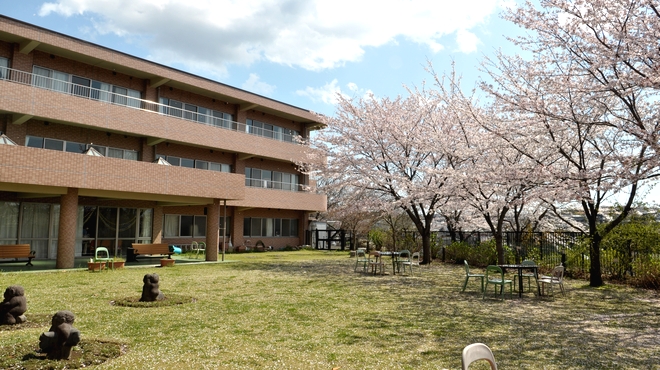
<point x="17" y="251"/>
<point x="151" y="249"/>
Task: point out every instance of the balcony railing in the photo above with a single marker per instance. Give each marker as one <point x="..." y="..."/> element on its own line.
<point x="82" y="91"/>
<point x="269" y="184"/>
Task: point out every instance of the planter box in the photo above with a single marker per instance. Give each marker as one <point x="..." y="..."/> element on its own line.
<point x="166" y="262"/>
<point x="95" y="266"/>
<point x="118" y="264"/>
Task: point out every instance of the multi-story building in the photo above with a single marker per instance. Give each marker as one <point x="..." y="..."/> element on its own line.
<point x="111" y="149"/>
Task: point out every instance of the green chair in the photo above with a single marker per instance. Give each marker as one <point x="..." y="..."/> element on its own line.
<point x="101" y="254"/>
<point x="495" y="276"/>
<point x="361" y="259"/>
<point x="468" y="275"/>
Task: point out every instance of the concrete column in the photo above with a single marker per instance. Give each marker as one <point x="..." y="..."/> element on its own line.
<point x="66" y="240"/>
<point x="157" y="229"/>
<point x="212" y="225"/>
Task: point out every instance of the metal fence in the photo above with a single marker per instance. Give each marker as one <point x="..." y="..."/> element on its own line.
<point x="549" y="249"/>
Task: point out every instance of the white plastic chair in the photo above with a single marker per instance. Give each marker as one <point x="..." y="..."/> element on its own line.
<point x="198" y="247"/>
<point x="557" y="278"/>
<point x="475" y="352"/>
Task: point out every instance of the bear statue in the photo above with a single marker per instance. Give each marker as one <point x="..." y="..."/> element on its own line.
<point x="150" y="289"/>
<point x="13" y="307"/>
<point x="61" y="337"/>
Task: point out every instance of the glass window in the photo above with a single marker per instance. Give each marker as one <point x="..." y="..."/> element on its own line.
<point x="202" y="115"/>
<point x="119" y="95"/>
<point x="54" y="144"/>
<point x="4" y="64"/>
<point x="186" y="226"/>
<point x="34" y="142"/>
<point x="146" y="217"/>
<point x="171" y="226"/>
<point x="286" y="224"/>
<point x="204" y="165"/>
<point x="73" y="147"/>
<point x="42" y="77"/>
<point x="134" y="98"/>
<point x="174" y="161"/>
<point x="60" y="81"/>
<point x="200" y="226"/>
<point x="190" y="112"/>
<point x="9" y="222"/>
<point x="131" y="155"/>
<point x="100" y="91"/>
<point x="80" y="86"/>
<point x="176" y="109"/>
<point x="215" y="167"/>
<point x="127" y="222"/>
<point x="115" y="153"/>
<point x="247" y="227"/>
<point x="185" y="162"/>
<point x="107" y="222"/>
<point x="255" y="227"/>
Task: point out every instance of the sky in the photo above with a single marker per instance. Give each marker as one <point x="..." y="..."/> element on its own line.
<point x="300" y="52"/>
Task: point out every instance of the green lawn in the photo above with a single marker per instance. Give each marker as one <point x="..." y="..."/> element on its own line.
<point x="309" y="310"/>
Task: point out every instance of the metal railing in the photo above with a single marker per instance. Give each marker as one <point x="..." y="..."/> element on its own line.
<point x="269" y="184"/>
<point x="66" y="87"/>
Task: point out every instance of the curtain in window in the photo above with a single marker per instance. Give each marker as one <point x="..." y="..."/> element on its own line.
<point x="4" y="64"/>
<point x="134" y="98"/>
<point x="61" y="81"/>
<point x="171" y="226"/>
<point x="100" y="91"/>
<point x="146" y="217"/>
<point x="8" y="222"/>
<point x="36" y="218"/>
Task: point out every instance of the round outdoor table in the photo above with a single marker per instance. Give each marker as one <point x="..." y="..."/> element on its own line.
<point x="520" y="269"/>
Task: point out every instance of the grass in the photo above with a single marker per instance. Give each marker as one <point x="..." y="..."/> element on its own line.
<point x="309" y="310"/>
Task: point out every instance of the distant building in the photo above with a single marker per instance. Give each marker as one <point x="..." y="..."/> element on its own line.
<point x="112" y="149"/>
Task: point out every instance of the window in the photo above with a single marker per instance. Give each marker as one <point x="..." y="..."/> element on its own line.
<point x="191" y="163"/>
<point x="49" y="79"/>
<point x="179" y="226"/>
<point x="196" y="113"/>
<point x="273" y="227"/>
<point x="74" y="147"/>
<point x="4" y="72"/>
<point x="271" y="179"/>
<point x="85" y="87"/>
<point x="270" y="131"/>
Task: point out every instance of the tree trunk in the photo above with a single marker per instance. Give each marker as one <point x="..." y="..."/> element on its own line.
<point x="595" y="276"/>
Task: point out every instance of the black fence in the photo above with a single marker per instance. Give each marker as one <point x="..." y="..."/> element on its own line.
<point x="549" y="249"/>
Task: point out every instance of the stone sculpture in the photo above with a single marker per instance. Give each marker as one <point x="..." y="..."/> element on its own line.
<point x="150" y="289"/>
<point x="13" y="307"/>
<point x="61" y="337"/>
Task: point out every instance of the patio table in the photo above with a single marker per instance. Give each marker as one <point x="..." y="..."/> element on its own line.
<point x="395" y="258"/>
<point x="520" y="269"/>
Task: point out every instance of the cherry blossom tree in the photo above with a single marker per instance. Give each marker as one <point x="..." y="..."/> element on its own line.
<point x="585" y="107"/>
<point x="384" y="146"/>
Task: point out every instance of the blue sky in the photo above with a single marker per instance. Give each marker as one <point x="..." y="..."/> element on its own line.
<point x="301" y="52"/>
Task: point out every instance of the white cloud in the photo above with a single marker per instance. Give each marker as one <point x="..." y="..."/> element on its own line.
<point x="326" y="93"/>
<point x="255" y="85"/>
<point x="467" y="41"/>
<point x="310" y="34"/>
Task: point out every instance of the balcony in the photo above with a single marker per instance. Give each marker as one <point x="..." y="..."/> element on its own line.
<point x="33" y="95"/>
<point x="48" y="172"/>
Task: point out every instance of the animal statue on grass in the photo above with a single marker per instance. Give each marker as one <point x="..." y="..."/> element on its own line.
<point x="13" y="307"/>
<point x="150" y="289"/>
<point x="61" y="337"/>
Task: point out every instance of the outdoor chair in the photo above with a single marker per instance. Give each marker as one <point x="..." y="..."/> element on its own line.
<point x="404" y="260"/>
<point x="101" y="254"/>
<point x="198" y="247"/>
<point x="376" y="262"/>
<point x="475" y="352"/>
<point x="361" y="259"/>
<point x="557" y="278"/>
<point x="495" y="276"/>
<point x="416" y="259"/>
<point x="469" y="275"/>
<point x="529" y="275"/>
